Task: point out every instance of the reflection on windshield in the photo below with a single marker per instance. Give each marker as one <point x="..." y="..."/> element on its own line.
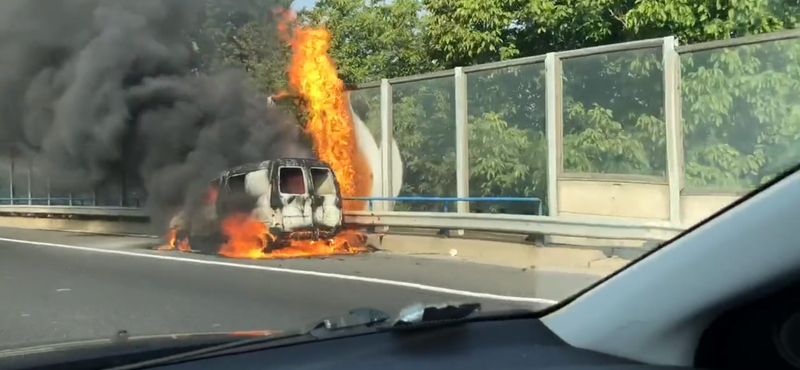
<point x="287" y="184"/>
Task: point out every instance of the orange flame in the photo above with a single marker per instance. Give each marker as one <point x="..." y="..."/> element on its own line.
<point x="248" y="238"/>
<point x="211" y="196"/>
<point x="312" y="76"/>
<point x="173" y="244"/>
<point x="347" y="242"/>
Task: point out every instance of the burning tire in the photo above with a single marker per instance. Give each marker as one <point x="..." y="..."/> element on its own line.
<point x="207" y="244"/>
<point x="181" y="236"/>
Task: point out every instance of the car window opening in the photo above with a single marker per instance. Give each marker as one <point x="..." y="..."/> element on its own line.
<point x="323" y="181"/>
<point x="291" y="180"/>
<point x="236" y="184"/>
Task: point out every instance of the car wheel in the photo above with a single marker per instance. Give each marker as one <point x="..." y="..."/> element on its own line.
<point x="206" y="244"/>
<point x="180" y="235"/>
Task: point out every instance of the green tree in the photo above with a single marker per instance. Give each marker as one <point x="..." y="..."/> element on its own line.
<point x="466" y="32"/>
<point x="374" y="39"/>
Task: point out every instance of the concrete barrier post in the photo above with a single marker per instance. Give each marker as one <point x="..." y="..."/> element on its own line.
<point x="672" y="118"/>
<point x="387" y="133"/>
<point x="462" y="143"/>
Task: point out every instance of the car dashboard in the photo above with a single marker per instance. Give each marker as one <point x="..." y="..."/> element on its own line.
<point x="501" y="344"/>
<point x="760" y="333"/>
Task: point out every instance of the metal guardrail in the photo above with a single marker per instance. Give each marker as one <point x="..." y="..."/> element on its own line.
<point x="520" y="224"/>
<point x="583" y="227"/>
<point x="84" y="202"/>
<point x="74" y="210"/>
<point x="72" y="201"/>
<point x="446" y="200"/>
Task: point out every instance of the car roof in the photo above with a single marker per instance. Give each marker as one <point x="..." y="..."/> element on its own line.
<point x="255" y="166"/>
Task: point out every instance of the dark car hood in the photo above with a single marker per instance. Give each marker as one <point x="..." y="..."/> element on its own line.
<point x="122" y="341"/>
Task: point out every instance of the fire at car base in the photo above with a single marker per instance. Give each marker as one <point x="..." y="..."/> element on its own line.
<point x="247" y="237"/>
<point x="242" y="232"/>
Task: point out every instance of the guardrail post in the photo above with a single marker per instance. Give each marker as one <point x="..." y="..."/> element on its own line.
<point x="674" y="133"/>
<point x="462" y="143"/>
<point x="387" y="147"/>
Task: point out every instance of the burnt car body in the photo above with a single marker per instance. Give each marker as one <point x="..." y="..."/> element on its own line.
<point x="294" y="198"/>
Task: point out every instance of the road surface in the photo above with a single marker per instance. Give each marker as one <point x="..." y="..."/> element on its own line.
<point x="57" y="286"/>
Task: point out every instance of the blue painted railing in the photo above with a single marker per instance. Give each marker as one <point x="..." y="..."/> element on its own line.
<point x="446" y="200"/>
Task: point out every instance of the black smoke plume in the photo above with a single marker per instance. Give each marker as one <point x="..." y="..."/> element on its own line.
<point x="90" y="89"/>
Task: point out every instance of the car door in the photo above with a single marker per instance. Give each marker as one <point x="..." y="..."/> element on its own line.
<point x="326" y="205"/>
<point x="296" y="203"/>
<point x="259" y="186"/>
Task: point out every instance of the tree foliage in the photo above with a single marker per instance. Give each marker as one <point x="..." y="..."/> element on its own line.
<point x="373" y="39"/>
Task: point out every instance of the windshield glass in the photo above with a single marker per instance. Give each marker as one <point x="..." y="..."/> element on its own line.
<point x="176" y="166"/>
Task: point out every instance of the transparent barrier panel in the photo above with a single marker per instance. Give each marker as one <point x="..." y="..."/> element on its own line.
<point x="741" y="114"/>
<point x="109" y="192"/>
<point x="366" y="105"/>
<point x="39" y="185"/>
<point x="19" y="178"/>
<point x="507" y="138"/>
<point x="423" y="114"/>
<point x="135" y="194"/>
<point x="5" y="176"/>
<point x="613" y="111"/>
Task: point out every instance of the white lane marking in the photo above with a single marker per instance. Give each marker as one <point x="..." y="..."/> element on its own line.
<point x="292" y="271"/>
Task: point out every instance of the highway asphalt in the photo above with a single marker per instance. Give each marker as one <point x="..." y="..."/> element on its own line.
<point x="57" y="286"/>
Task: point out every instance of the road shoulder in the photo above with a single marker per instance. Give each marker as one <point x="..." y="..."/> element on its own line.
<point x="455" y="274"/>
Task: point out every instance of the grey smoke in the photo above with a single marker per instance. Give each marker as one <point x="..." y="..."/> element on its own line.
<point x="91" y="87"/>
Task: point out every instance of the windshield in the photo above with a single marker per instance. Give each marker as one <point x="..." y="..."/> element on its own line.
<point x="221" y="166"/>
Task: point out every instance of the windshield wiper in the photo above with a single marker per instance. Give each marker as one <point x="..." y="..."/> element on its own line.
<point x="357" y="321"/>
<point x="420" y="314"/>
<point x="325" y="328"/>
<point x="358" y="318"/>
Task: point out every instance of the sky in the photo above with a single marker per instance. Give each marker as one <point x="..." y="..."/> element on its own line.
<point x="300" y="4"/>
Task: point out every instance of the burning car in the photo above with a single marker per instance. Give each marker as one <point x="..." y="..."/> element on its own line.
<point x="290" y="198"/>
